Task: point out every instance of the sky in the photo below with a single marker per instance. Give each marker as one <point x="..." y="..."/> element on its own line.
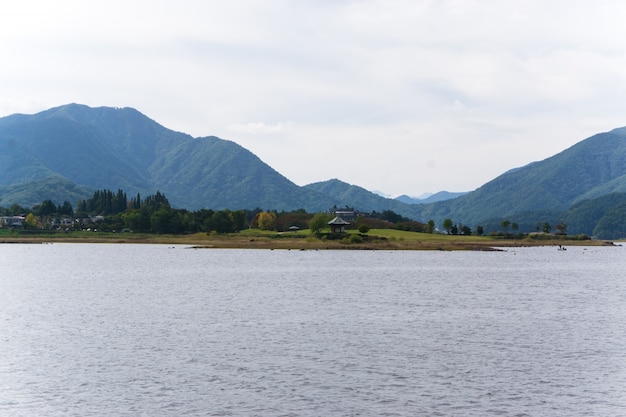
<point x="399" y="97"/>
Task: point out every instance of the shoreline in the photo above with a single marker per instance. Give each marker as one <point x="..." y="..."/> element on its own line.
<point x="303" y="242"/>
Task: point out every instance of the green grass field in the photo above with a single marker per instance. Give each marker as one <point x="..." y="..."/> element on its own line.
<point x="382" y="239"/>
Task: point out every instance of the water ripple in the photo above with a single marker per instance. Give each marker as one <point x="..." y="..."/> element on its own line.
<point x="144" y="330"/>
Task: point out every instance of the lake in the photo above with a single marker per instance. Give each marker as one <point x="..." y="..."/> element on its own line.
<point x="156" y="330"/>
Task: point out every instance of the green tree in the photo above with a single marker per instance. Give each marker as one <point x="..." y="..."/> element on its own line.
<point x="154" y="202"/>
<point x="319" y="222"/>
<point x="65" y="209"/>
<point x="162" y="220"/>
<point x="505" y="226"/>
<point x="47" y="208"/>
<point x="299" y="218"/>
<point x="144" y="219"/>
<point x="364" y="229"/>
<point x="447" y="225"/>
<point x="267" y="220"/>
<point x="132" y="220"/>
<point x="221" y="222"/>
<point x="16" y="210"/>
<point x="31" y="221"/>
<point x="480" y="230"/>
<point x="239" y="220"/>
<point x="430" y="227"/>
<point x="356" y="239"/>
<point x="81" y="208"/>
<point x="392" y="216"/>
<point x="135" y="220"/>
<point x="198" y="220"/>
<point x="546" y="227"/>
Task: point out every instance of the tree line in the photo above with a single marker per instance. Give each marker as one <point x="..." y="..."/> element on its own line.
<point x="114" y="211"/>
<point x="507" y="229"/>
<point x="110" y="210"/>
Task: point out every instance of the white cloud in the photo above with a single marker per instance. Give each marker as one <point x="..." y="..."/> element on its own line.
<point x="260" y="127"/>
<point x="422" y="95"/>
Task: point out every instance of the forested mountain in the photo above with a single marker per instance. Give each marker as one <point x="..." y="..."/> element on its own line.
<point x="67" y="152"/>
<point x="360" y="198"/>
<point x="439" y="196"/>
<point x="580" y="187"/>
<point x="592" y="168"/>
<point x="603" y="216"/>
<point x="54" y="187"/>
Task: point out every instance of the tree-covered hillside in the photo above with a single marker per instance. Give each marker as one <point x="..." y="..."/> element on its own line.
<point x="360" y="198"/>
<point x="65" y="153"/>
<point x="596" y="166"/>
<point x="93" y="148"/>
<point x="54" y="187"/>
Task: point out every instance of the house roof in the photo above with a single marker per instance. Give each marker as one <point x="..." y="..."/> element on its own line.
<point x="338" y="221"/>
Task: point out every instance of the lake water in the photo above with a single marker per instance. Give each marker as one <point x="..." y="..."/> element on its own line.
<point x="152" y="330"/>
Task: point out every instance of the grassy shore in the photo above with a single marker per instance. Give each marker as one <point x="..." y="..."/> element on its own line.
<point x="376" y="239"/>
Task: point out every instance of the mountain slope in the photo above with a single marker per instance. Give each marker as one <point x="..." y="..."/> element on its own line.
<point x="95" y="148"/>
<point x="592" y="167"/>
<point x="67" y="152"/>
<point x="55" y="188"/>
<point x="440" y="196"/>
<point x="360" y="198"/>
<point x="584" y="216"/>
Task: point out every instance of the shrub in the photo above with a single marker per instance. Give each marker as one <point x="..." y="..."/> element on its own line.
<point x="356" y="239"/>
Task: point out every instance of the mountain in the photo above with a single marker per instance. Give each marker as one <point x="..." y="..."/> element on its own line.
<point x="596" y="217"/>
<point x="55" y="188"/>
<point x="591" y="168"/>
<point x="432" y="198"/>
<point x="360" y="198"/>
<point x="67" y="152"/>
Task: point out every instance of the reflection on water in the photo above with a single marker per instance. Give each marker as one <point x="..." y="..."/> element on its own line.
<point x="155" y="330"/>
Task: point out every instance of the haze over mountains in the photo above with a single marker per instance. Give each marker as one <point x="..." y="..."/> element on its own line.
<point x="431" y="198"/>
<point x="67" y="152"/>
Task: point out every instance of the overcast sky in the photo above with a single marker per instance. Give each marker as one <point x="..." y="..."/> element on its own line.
<point x="401" y="97"/>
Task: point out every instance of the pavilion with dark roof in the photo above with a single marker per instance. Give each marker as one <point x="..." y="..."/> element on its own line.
<point x="338" y="225"/>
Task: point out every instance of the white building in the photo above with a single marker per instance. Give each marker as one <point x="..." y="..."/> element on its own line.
<point x="12" y="221"/>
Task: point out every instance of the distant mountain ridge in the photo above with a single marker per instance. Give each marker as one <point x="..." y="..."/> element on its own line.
<point x="546" y="189"/>
<point x="95" y="148"/>
<point x="433" y="198"/>
<point x="67" y="152"/>
<point x="360" y="198"/>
